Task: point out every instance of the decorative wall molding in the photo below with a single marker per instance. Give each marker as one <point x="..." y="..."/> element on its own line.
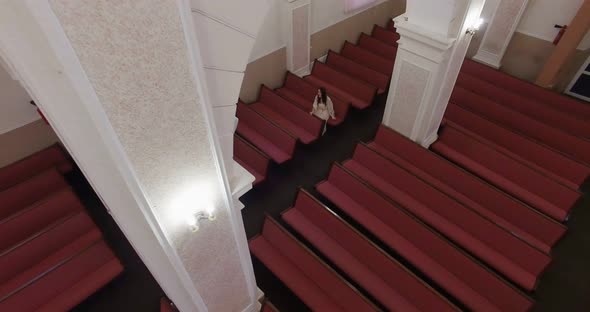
<point x="500" y="29"/>
<point x="297" y="28"/>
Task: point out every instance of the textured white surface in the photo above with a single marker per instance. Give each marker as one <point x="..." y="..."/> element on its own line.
<point x="500" y="31"/>
<point x="135" y="55"/>
<point x="224" y="86"/>
<point x="410" y="94"/>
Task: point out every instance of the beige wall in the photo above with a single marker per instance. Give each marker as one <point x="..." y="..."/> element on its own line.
<point x="334" y="36"/>
<point x="24" y="141"/>
<point x="526" y="56"/>
<point x="270" y="69"/>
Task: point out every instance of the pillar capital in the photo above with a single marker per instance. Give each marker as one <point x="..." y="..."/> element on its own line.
<point x="422" y="41"/>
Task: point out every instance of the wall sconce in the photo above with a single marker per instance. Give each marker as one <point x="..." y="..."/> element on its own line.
<point x="194" y="221"/>
<point x="475" y="27"/>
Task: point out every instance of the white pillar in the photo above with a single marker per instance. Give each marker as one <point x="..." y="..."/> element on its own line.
<point x="120" y="83"/>
<point x="432" y="47"/>
<point x="502" y="18"/>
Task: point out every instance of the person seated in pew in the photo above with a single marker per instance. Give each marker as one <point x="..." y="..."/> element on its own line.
<point x="323" y="108"/>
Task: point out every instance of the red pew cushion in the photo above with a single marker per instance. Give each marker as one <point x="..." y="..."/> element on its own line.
<point x="456" y="272"/>
<point x="384" y="278"/>
<point x="550" y="98"/>
<point x="367" y="58"/>
<point x="500" y="249"/>
<point x="538" y="156"/>
<point x="527" y="223"/>
<point x="22" y="170"/>
<point x="26" y="193"/>
<point x="251" y="159"/>
<point x="318" y="286"/>
<point x="577" y="148"/>
<point x="271" y="139"/>
<point x="53" y="210"/>
<point x="377" y="46"/>
<point x="543" y="193"/>
<point x="305" y="127"/>
<point x="385" y="35"/>
<point x="350" y="67"/>
<point x="541" y="112"/>
<point x="68" y="284"/>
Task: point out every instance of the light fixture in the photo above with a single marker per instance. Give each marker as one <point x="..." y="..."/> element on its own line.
<point x="192" y="205"/>
<point x="194" y="221"/>
<point x="475" y="27"/>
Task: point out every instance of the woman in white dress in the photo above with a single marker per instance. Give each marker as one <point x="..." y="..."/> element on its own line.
<point x="323" y="107"/>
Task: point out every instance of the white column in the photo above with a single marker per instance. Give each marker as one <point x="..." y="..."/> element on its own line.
<point x="502" y="18"/>
<point x="120" y="83"/>
<point x="433" y="44"/>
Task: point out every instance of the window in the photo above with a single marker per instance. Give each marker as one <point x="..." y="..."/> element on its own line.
<point x="352" y="5"/>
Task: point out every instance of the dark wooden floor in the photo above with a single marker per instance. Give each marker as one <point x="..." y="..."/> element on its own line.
<point x="564" y="287"/>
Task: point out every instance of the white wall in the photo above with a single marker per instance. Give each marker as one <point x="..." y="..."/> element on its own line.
<point x="542" y="15"/>
<point x="270" y="37"/>
<point x="15" y="110"/>
<point x="325" y="13"/>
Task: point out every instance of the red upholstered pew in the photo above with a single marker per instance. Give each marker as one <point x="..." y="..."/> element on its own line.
<point x="461" y="276"/>
<point x="312" y="280"/>
<point x="532" y="187"/>
<point x="532" y="226"/>
<point x="46" y="249"/>
<point x="22" y="170"/>
<point x="386" y="35"/>
<point x="503" y="251"/>
<point x="354" y="69"/>
<point x="28" y="192"/>
<point x="52" y="256"/>
<point x="251" y="158"/>
<point x="301" y="124"/>
<point x="518" y="86"/>
<point x="377" y="46"/>
<point x="52" y="210"/>
<point x="384" y="278"/>
<point x="576" y="148"/>
<point x="547" y="114"/>
<point x="67" y="284"/>
<point x="268" y="137"/>
<point x="358" y="93"/>
<point x="367" y="58"/>
<point x="302" y="93"/>
<point x="533" y="154"/>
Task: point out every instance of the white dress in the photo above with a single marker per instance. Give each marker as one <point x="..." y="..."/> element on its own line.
<point x="323" y="111"/>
